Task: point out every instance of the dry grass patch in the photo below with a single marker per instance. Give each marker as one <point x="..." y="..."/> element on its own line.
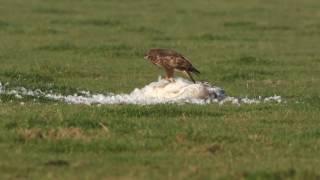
<point x="58" y="134"/>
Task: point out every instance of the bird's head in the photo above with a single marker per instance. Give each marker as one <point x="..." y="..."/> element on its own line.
<point x="151" y="54"/>
<point x="148" y="55"/>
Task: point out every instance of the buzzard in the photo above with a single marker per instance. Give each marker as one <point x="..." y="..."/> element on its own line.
<point x="171" y="61"/>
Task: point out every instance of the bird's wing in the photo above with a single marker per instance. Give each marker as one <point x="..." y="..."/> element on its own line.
<point x="174" y="60"/>
<point x="183" y="64"/>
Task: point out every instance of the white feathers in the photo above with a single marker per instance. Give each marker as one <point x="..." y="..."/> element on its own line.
<point x="180" y="91"/>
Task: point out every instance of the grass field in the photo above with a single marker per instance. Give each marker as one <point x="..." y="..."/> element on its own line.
<point x="249" y="47"/>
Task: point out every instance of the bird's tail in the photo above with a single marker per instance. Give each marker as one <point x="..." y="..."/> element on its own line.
<point x="194" y="70"/>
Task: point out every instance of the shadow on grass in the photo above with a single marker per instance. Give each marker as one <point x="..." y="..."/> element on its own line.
<point x="212" y="37"/>
<point x="4" y="24"/>
<point x="52" y="10"/>
<point x="143" y="30"/>
<point x="62" y="46"/>
<point x="87" y="22"/>
<point x="57" y="163"/>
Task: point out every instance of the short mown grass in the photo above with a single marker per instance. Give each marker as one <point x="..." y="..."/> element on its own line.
<point x="250" y="48"/>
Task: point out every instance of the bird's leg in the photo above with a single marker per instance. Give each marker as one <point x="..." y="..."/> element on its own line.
<point x="190" y="76"/>
<point x="169" y="75"/>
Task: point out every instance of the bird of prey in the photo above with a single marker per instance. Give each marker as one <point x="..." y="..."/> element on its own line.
<point x="171" y="61"/>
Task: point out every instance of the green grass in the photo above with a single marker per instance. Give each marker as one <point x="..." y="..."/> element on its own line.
<point x="250" y="48"/>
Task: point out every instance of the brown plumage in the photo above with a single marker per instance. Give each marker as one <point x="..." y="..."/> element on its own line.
<point x="171" y="61"/>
